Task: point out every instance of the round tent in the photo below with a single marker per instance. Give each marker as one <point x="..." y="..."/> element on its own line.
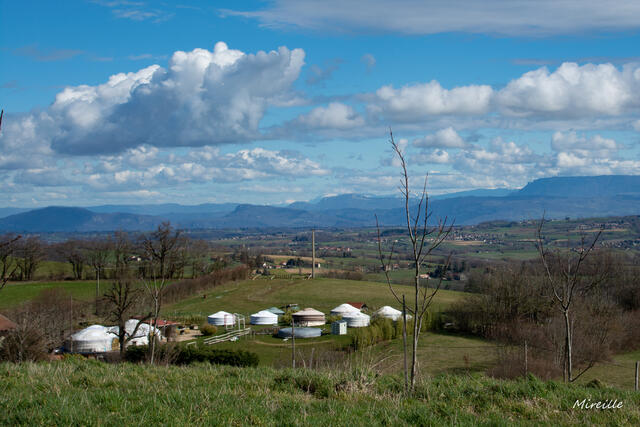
<point x="264" y="317"/>
<point x="94" y="339"/>
<point x="390" y="313"/>
<point x="357" y="320"/>
<point x="344" y="309"/>
<point x="222" y="318"/>
<point x="141" y="336"/>
<point x="309" y="317"/>
<point x="300" y="332"/>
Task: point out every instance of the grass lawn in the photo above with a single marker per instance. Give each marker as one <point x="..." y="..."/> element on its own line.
<point x="16" y="293"/>
<point x="85" y="392"/>
<point x="619" y="372"/>
<point x="322" y="294"/>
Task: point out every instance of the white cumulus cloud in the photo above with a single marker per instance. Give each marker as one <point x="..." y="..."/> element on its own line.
<point x="572" y="91"/>
<point x="419" y="101"/>
<point x="202" y="98"/>
<point x="444" y="138"/>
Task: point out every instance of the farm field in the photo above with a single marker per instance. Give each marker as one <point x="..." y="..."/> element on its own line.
<point x="15" y="293"/>
<point x="76" y="391"/>
<point x="249" y="296"/>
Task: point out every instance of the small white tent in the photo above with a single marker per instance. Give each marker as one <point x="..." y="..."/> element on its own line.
<point x="264" y="317"/>
<point x="356" y="320"/>
<point x="94" y="339"/>
<point x="222" y="318"/>
<point x="390" y="313"/>
<point x="344" y="309"/>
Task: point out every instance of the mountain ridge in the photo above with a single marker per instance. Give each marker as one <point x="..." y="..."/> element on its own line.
<point x="558" y="197"/>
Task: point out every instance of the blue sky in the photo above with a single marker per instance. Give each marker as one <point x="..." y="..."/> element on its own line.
<point x="112" y="101"/>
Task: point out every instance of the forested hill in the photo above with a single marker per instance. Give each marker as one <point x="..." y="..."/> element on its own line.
<point x="559" y="197"/>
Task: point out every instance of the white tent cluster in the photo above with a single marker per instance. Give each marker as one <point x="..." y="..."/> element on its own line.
<point x="221" y="318"/>
<point x="100" y="339"/>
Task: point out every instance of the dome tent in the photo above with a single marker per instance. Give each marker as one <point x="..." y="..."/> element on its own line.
<point x="344" y="309"/>
<point x="390" y="313"/>
<point x="309" y="317"/>
<point x="264" y="317"/>
<point x="221" y="318"/>
<point x="94" y="339"/>
<point x="141" y="336"/>
<point x="357" y="320"/>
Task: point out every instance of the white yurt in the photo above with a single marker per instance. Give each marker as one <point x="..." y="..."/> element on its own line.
<point x="142" y="334"/>
<point x="344" y="309"/>
<point x="94" y="339"/>
<point x="357" y="319"/>
<point x="264" y="317"/>
<point x="309" y="317"/>
<point x="390" y="313"/>
<point x="221" y="318"/>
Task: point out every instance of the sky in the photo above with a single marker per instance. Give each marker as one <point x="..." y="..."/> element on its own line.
<point x="270" y="102"/>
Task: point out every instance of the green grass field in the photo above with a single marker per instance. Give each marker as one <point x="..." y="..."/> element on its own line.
<point x="322" y="294"/>
<point x="86" y="392"/>
<point x="16" y="293"/>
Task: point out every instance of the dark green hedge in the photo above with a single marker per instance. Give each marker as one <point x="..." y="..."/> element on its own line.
<point x="185" y="355"/>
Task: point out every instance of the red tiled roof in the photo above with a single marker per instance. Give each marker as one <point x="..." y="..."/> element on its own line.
<point x="6" y="324"/>
<point x="357" y="305"/>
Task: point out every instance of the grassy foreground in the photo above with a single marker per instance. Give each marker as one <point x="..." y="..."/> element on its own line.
<point x="85" y="392"/>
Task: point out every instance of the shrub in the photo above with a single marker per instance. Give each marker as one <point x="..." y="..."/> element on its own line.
<point x="208" y="330"/>
<point x="25" y="343"/>
<point x="185" y="355"/>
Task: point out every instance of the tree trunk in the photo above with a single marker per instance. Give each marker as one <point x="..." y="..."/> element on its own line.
<point x="404" y="345"/>
<point x="567" y="343"/>
<point x="414" y="354"/>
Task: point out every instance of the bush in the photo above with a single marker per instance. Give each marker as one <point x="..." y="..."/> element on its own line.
<point x="380" y="329"/>
<point x="26" y="343"/>
<point x="208" y="330"/>
<point x="185" y="355"/>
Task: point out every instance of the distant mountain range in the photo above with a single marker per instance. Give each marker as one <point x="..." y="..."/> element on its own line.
<point x="559" y="197"/>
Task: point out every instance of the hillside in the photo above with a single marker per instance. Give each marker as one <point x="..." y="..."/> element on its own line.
<point x="68" y="219"/>
<point x="85" y="392"/>
<point x="558" y="197"/>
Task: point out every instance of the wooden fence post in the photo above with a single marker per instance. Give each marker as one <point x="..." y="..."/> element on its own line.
<point x="526" y="367"/>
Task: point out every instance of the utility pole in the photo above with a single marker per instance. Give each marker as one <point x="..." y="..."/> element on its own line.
<point x="97" y="289"/>
<point x="313" y="254"/>
<point x="293" y="343"/>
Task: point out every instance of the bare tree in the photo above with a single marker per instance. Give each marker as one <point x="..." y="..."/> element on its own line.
<point x="122" y="250"/>
<point x="567" y="279"/>
<point x="8" y="264"/>
<point x="124" y="300"/>
<point x="199" y="256"/>
<point x="161" y="247"/>
<point x="28" y="255"/>
<point x="424" y="239"/>
<point x="97" y="256"/>
<point x="74" y="252"/>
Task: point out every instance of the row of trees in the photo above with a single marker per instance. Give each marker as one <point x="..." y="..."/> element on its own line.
<point x="104" y="257"/>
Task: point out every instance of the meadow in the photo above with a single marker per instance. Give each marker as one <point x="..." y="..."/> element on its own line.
<point x="77" y="391"/>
